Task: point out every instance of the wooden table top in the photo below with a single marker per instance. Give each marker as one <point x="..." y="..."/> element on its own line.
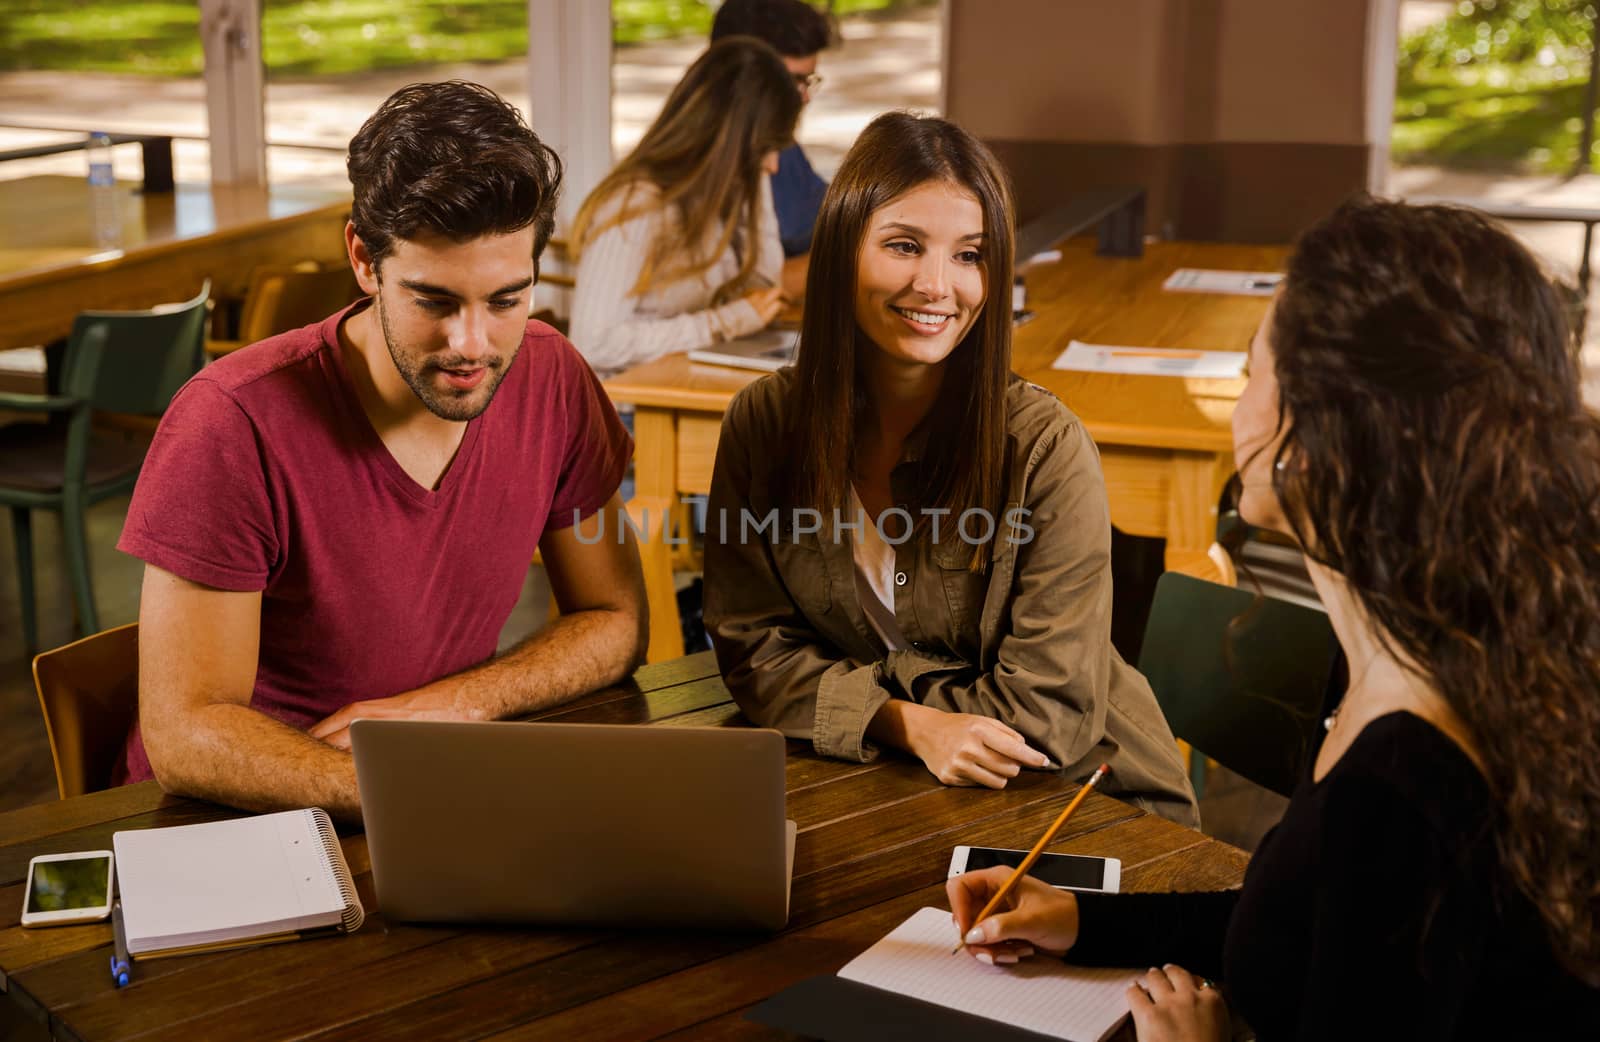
<point x="1105" y="300"/>
<point x="1119" y="301"/>
<point x="45" y="221"/>
<point x="874" y="845"/>
<point x="674" y="382"/>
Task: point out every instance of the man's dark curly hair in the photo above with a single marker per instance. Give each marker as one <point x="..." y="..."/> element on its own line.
<point x="1438" y="454"/>
<point x="452" y="159"/>
<point x="793" y="28"/>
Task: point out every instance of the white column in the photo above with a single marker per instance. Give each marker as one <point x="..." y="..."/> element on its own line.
<point x="236" y="81"/>
<point x="569" y="91"/>
<point x="1383" y="55"/>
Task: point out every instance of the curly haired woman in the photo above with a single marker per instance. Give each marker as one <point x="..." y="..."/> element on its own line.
<point x="1413" y="420"/>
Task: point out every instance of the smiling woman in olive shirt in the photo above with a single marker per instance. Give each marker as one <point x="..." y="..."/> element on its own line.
<point x="969" y="626"/>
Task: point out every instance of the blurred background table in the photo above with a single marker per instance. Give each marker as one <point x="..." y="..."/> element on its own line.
<point x="51" y="267"/>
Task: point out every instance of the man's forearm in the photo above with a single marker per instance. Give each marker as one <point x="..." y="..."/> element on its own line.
<point x="573" y="655"/>
<point x="236" y="755"/>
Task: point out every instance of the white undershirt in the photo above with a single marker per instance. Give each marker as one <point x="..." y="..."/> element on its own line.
<point x="874" y="574"/>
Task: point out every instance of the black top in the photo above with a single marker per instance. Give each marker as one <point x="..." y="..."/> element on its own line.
<point x="1375" y="909"/>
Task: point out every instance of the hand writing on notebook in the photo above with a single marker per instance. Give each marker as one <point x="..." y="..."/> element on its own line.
<point x="412" y="705"/>
<point x="1168" y="1004"/>
<point x="1033" y="917"/>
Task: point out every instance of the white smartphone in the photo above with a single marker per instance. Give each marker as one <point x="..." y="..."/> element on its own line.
<point x="68" y="888"/>
<point x="1062" y="871"/>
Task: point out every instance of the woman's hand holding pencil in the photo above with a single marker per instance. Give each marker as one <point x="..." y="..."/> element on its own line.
<point x="1033" y="913"/>
<point x="1034" y="916"/>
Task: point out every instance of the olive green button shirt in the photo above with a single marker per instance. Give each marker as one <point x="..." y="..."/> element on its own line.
<point x="1026" y="642"/>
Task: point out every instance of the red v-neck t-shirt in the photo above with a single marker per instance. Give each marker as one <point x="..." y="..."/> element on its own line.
<point x="266" y="474"/>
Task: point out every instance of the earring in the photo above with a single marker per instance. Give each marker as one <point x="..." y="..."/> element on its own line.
<point x="1282" y="464"/>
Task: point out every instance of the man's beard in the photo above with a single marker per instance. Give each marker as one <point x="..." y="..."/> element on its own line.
<point x="448" y="404"/>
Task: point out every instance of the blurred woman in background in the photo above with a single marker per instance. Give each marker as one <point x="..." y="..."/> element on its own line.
<point x="678" y="247"/>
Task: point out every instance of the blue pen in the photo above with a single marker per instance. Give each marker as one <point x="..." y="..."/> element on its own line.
<point x="121" y="964"/>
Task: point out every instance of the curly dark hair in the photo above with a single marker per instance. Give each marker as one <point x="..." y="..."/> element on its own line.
<point x="1437" y="453"/>
<point x="793" y="28"/>
<point x="454" y="159"/>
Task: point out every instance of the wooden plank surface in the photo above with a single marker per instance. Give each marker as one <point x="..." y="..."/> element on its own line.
<point x="1119" y="301"/>
<point x="874" y="845"/>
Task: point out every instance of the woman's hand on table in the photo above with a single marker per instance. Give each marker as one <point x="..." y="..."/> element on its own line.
<point x="1170" y="1004"/>
<point x="1034" y="917"/>
<point x="965" y="749"/>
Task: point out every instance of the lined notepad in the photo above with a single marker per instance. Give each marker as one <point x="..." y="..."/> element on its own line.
<point x="1238" y="283"/>
<point x="238" y="882"/>
<point x="1039" y="994"/>
<point x="1151" y="361"/>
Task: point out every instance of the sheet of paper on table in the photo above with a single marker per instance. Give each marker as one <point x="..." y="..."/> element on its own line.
<point x="1240" y="283"/>
<point x="1039" y="994"/>
<point x="1151" y="361"/>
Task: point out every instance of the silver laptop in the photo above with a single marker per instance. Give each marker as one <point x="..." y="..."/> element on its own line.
<point x="769" y="350"/>
<point x="576" y="823"/>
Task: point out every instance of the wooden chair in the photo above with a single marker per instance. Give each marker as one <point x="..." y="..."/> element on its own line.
<point x="89" y="694"/>
<point x="1241" y="678"/>
<point x="283" y="298"/>
<point x="1271" y="562"/>
<point x="116" y="362"/>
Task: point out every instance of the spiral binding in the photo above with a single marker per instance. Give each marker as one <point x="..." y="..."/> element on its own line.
<point x="354" y="914"/>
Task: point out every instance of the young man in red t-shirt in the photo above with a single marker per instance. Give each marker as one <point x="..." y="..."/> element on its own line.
<point x="337" y="521"/>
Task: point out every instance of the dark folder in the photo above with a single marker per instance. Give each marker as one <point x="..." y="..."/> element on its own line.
<point x="840" y="1010"/>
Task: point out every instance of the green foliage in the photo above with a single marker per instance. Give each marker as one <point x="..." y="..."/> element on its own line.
<point x="1498" y="84"/>
<point x="158" y="39"/>
<point x="318" y="37"/>
<point x="1543" y="33"/>
<point x="322" y="37"/>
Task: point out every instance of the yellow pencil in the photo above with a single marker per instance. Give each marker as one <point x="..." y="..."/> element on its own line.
<point x="1033" y="855"/>
<point x="1162" y="352"/>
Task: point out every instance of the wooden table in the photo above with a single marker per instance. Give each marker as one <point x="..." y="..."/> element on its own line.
<point x="1164" y="442"/>
<point x="874" y="845"/>
<point x="51" y="269"/>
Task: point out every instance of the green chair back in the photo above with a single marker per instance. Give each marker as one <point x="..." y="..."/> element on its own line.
<point x="139" y="359"/>
<point x="117" y="362"/>
<point x="1247" y="693"/>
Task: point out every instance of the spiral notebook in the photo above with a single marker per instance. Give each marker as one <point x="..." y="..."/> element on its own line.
<point x="1041" y="995"/>
<point x="226" y="884"/>
<point x="768" y="350"/>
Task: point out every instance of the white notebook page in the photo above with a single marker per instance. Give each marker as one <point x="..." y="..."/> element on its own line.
<point x="1241" y="283"/>
<point x="1151" y="361"/>
<point x="224" y="880"/>
<point x="1040" y="993"/>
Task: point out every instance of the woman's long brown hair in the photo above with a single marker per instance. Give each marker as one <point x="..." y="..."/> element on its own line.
<point x="963" y="465"/>
<point x="1437" y="453"/>
<point x="703" y="155"/>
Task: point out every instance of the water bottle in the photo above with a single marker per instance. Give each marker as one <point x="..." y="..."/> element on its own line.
<point x="104" y="220"/>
